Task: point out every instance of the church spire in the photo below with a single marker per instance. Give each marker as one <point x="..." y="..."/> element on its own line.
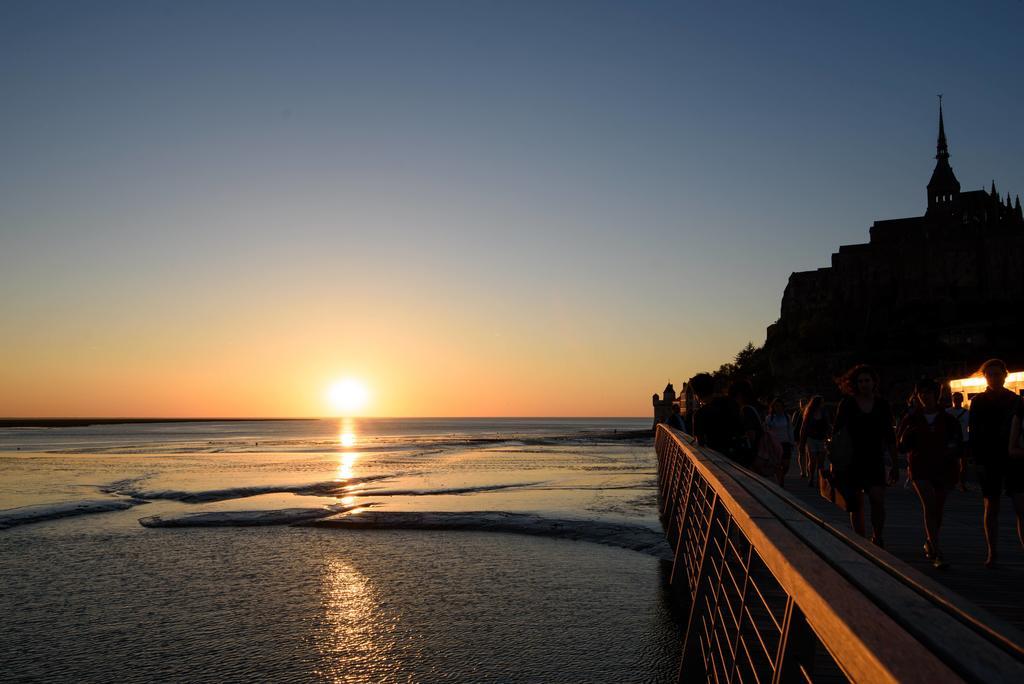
<point x="941" y="148"/>
<point x="943" y="188"/>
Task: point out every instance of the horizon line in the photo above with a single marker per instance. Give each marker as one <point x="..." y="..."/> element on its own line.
<point x="210" y="419"/>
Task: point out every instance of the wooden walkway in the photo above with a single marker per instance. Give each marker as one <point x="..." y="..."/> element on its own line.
<point x="1000" y="591"/>
<point x="778" y="589"/>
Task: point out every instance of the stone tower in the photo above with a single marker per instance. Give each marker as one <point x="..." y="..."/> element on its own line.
<point x="663" y="407"/>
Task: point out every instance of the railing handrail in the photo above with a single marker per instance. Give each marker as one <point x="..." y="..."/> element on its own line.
<point x="848" y="617"/>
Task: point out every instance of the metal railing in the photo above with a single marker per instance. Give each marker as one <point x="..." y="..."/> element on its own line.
<point x="776" y="596"/>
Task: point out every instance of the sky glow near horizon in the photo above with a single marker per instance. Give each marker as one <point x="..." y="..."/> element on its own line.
<point x="477" y="208"/>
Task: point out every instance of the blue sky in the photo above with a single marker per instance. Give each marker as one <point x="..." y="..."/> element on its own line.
<point x="629" y="182"/>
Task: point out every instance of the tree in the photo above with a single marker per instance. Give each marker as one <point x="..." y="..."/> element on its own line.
<point x="750" y="363"/>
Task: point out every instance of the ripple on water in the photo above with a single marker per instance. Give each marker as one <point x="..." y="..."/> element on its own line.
<point x="290" y="604"/>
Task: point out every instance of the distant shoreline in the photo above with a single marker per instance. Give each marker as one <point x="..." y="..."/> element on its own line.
<point x="85" y="422"/>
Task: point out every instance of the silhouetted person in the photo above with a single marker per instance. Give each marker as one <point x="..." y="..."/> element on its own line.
<point x="796" y="421"/>
<point x="716" y="420"/>
<point x="991" y="420"/>
<point x="777" y="423"/>
<point x="867" y="420"/>
<point x="1016" y="463"/>
<point x="912" y="407"/>
<point x="751" y="425"/>
<point x="931" y="438"/>
<point x="814" y="430"/>
<point x="963" y="416"/>
<point x="675" y="419"/>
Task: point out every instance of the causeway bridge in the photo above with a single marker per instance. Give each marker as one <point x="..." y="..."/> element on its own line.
<point x="779" y="591"/>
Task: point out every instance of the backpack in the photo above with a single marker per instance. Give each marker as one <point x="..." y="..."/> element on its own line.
<point x="767" y="450"/>
<point x="768" y="458"/>
<point x="839" y="453"/>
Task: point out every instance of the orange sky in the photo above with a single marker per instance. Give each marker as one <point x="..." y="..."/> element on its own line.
<point x="255" y="362"/>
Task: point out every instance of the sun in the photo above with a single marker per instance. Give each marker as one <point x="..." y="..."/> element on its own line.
<point x="347" y="396"/>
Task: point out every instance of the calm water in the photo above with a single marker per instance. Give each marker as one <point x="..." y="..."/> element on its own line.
<point x="396" y="574"/>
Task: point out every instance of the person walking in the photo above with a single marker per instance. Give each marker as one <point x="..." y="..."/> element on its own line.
<point x="777" y="423"/>
<point x="675" y="418"/>
<point x="716" y="421"/>
<point x="814" y="430"/>
<point x="763" y="453"/>
<point x="751" y="426"/>
<point x="866" y="421"/>
<point x="962" y="414"/>
<point x="990" y="424"/>
<point x="931" y="438"/>
<point x="1015" y="466"/>
<point x="796" y="422"/>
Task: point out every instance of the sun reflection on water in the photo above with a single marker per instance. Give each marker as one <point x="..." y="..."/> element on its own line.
<point x="345" y="466"/>
<point x="355" y="634"/>
<point x="347" y="440"/>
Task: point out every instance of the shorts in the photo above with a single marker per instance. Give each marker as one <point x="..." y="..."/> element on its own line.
<point x="815" y="446"/>
<point x="941" y="472"/>
<point x="1006" y="477"/>
<point x="860" y="477"/>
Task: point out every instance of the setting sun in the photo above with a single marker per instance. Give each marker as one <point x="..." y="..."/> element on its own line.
<point x="347" y="396"/>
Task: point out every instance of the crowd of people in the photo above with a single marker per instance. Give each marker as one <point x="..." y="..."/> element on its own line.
<point x="853" y="451"/>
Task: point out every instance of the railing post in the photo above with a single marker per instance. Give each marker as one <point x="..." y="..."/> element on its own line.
<point x="796" y="647"/>
<point x="693" y="669"/>
<point x="659" y="449"/>
<point x="664" y="447"/>
<point x="747" y="562"/>
<point x="683" y="519"/>
<point x="675" y="496"/>
<point x="665" y="458"/>
<point x="674" y="463"/>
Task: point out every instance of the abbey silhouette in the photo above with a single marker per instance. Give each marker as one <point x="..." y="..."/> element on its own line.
<point x="933" y="294"/>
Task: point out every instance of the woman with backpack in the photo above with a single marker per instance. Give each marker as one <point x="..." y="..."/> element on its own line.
<point x="863" y="444"/>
